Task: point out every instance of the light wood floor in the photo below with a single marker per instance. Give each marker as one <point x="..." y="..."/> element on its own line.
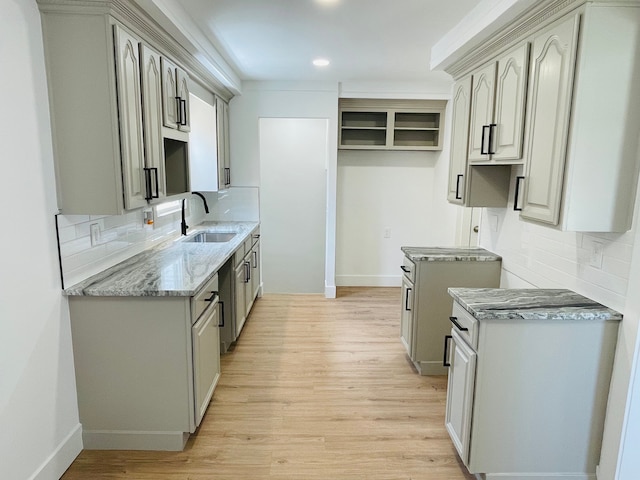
<point x="314" y="389"/>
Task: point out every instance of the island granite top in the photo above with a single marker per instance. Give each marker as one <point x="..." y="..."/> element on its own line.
<point x="530" y="304"/>
<point x="174" y="268"/>
<point x="449" y="254"/>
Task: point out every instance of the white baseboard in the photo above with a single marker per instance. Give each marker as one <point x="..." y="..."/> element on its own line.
<point x="63" y="456"/>
<point x="134" y="440"/>
<point x="369" y="280"/>
<point x="330" y="291"/>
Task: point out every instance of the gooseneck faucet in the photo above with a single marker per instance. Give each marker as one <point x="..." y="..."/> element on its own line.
<point x="204" y="200"/>
<point x="183" y="224"/>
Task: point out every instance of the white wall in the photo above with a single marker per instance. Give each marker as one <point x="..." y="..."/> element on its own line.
<point x="285" y="100"/>
<point x="39" y="428"/>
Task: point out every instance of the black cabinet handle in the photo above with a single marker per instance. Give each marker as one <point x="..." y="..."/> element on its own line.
<point x="183" y="112"/>
<point x="491" y="129"/>
<point x="227" y="176"/>
<point x="445" y="359"/>
<point x="221" y="316"/>
<point x="454" y="320"/>
<point x="178" y="111"/>
<point x="406" y="300"/>
<point x="212" y="297"/>
<point x="516" y="200"/>
<point x="155" y="174"/>
<point x="247" y="272"/>
<point x="255" y="259"/>
<point x="458" y="196"/>
<point x="147" y="182"/>
<point x="404" y="269"/>
<point x="482" y="150"/>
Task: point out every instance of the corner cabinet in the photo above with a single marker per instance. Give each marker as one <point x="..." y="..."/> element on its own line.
<point x="581" y="146"/>
<point x="574" y="143"/>
<point x="391" y="124"/>
<point x="146" y="367"/>
<point x="112" y="151"/>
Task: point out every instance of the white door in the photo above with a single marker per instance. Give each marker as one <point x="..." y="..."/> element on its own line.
<point x="294" y="155"/>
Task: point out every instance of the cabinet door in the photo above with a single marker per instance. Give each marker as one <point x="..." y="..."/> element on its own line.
<point x="183" y="97"/>
<point x="152" y="121"/>
<point x="170" y="103"/>
<point x="552" y="67"/>
<point x="461" y="104"/>
<point x="222" y="118"/>
<point x="482" y="98"/>
<point x="206" y="360"/>
<point x="511" y="84"/>
<point x="406" y="315"/>
<point x="130" y="113"/>
<point x="248" y="285"/>
<point x="255" y="270"/>
<point x="240" y="294"/>
<point x="460" y="395"/>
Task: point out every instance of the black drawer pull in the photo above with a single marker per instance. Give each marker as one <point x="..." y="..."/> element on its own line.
<point x="212" y="297"/>
<point x="454" y="320"/>
<point x="406" y="300"/>
<point x="445" y="360"/>
<point x="405" y="269"/>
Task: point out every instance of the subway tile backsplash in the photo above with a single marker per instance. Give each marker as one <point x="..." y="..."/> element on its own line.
<point x="123" y="236"/>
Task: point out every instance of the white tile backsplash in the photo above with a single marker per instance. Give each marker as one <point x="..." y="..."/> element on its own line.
<point x="123" y="236"/>
<point x="544" y="257"/>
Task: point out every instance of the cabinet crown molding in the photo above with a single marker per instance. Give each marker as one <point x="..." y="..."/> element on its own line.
<point x="531" y="21"/>
<point x="134" y="17"/>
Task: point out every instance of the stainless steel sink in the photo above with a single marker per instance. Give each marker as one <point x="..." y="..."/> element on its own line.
<point x="211" y="237"/>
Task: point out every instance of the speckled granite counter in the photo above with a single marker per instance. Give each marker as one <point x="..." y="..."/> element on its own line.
<point x="530" y="304"/>
<point x="449" y="254"/>
<point x="174" y="268"/>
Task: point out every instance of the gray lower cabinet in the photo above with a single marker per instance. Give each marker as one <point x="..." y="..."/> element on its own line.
<point x="426" y="304"/>
<point x="528" y="382"/>
<point x="146" y="367"/>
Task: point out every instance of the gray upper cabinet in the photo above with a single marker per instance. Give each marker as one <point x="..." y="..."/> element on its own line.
<point x="111" y="150"/>
<point x="460" y="105"/>
<point x="224" y="160"/>
<point x="130" y="109"/>
<point x="151" y="75"/>
<point x="497" y="109"/>
<point x="175" y="100"/>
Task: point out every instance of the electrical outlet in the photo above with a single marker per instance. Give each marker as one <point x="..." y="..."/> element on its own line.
<point x="387" y="232"/>
<point x="595" y="258"/>
<point x="94" y="229"/>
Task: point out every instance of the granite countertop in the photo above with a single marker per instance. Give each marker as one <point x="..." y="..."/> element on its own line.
<point x="450" y="254"/>
<point x="173" y="268"/>
<point x="530" y="304"/>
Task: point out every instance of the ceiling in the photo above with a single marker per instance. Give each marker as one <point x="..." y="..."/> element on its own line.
<point x="365" y="40"/>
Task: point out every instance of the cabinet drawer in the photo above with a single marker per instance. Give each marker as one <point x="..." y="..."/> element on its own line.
<point x="204" y="297"/>
<point x="467" y="325"/>
<point x="409" y="269"/>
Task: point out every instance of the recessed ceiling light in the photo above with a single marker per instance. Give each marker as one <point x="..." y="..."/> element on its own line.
<point x="321" y="62"/>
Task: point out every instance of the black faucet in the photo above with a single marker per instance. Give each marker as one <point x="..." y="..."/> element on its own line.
<point x="183" y="224"/>
<point x="206" y="207"/>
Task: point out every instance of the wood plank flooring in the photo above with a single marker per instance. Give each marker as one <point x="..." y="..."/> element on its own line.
<point x="314" y="389"/>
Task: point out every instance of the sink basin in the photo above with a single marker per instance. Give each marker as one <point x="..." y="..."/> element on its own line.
<point x="211" y="237"/>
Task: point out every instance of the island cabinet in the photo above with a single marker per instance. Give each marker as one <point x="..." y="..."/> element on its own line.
<point x="146" y="367"/>
<point x="109" y="104"/>
<point x="528" y="382"/>
<point x="427" y="274"/>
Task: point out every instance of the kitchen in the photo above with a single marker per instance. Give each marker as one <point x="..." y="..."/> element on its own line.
<point x="36" y="346"/>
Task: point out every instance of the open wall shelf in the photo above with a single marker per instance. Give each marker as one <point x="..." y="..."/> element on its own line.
<point x="391" y="124"/>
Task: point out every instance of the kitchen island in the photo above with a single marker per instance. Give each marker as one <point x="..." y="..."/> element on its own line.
<point x="528" y="381"/>
<point x="146" y="340"/>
